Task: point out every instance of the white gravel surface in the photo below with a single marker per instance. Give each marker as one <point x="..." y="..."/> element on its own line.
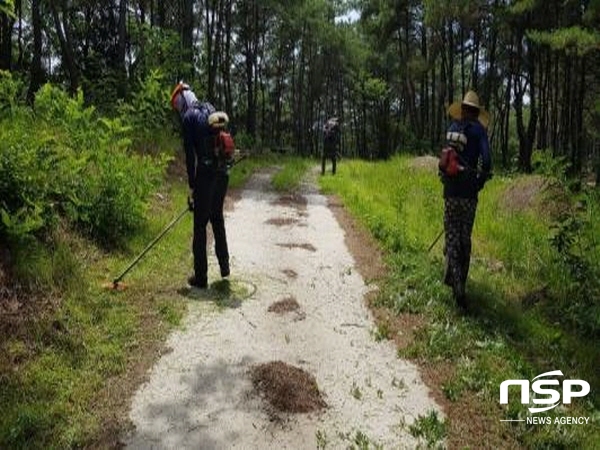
<point x="199" y="394"/>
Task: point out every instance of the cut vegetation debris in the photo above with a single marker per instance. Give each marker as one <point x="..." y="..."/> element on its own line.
<point x="292" y="200"/>
<point x="287" y="388"/>
<point x="282" y="221"/>
<point x="305" y="246"/>
<point x="288" y="304"/>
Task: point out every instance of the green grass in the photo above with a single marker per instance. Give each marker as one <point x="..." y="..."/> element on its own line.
<point x="502" y="337"/>
<point x="430" y="429"/>
<point x="56" y="371"/>
<point x="242" y="171"/>
<point x="291" y="174"/>
<point x="291" y="170"/>
<point x="59" y="366"/>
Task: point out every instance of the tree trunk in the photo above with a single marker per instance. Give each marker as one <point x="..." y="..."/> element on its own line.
<point x="160" y="13"/>
<point x="6" y="25"/>
<point x="526" y="136"/>
<point x="122" y="49"/>
<point x="578" y="133"/>
<point x="36" y="74"/>
<point x="544" y="104"/>
<point x="423" y="103"/>
<point x="250" y="49"/>
<point x="475" y="66"/>
<point x="250" y="105"/>
<point x="555" y="109"/>
<point x="461" y="38"/>
<point x="64" y="38"/>
<point x="450" y="68"/>
<point x="226" y="61"/>
<point x="215" y="62"/>
<point x="19" y="9"/>
<point x="142" y="10"/>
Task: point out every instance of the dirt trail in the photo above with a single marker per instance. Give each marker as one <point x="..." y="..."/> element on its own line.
<point x="200" y="394"/>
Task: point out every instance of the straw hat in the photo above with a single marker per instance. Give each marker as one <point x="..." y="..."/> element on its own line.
<point x="470" y="99"/>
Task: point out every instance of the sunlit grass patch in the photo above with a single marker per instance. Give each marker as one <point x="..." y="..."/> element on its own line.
<point x="430" y="429"/>
<point x="291" y="174"/>
<point x="519" y="323"/>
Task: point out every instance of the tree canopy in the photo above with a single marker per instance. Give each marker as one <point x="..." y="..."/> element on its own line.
<point x="387" y="68"/>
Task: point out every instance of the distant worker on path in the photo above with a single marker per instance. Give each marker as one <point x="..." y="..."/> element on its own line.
<point x="331" y="143"/>
<point x="468" y="146"/>
<point x="208" y="178"/>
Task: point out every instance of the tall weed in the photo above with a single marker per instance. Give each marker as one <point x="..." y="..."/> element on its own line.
<point x="149" y="116"/>
<point x="10" y="89"/>
<point x="575" y="251"/>
<point x="62" y="161"/>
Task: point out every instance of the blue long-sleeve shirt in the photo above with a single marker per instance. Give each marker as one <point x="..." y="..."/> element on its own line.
<point x="196" y="138"/>
<point x="469" y="182"/>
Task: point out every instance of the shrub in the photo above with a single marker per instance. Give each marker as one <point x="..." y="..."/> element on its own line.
<point x="9" y="93"/>
<point x="573" y="233"/>
<point x="75" y="165"/>
<point x="111" y="206"/>
<point x="148" y="114"/>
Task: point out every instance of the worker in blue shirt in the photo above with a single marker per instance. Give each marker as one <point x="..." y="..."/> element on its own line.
<point x="467" y="134"/>
<point x="208" y="179"/>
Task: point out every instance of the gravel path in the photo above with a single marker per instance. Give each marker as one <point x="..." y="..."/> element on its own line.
<point x="199" y="394"/>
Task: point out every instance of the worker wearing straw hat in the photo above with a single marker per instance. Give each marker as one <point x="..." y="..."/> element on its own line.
<point x="468" y="135"/>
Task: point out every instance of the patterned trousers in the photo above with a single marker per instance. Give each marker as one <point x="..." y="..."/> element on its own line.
<point x="459" y="216"/>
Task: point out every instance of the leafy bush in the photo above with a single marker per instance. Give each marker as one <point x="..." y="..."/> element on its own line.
<point x="148" y="114"/>
<point x="9" y="93"/>
<point x="63" y="162"/>
<point x="25" y="179"/>
<point x="573" y="238"/>
<point x="111" y="205"/>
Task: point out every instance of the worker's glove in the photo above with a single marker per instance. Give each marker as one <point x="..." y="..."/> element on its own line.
<point x="190" y="200"/>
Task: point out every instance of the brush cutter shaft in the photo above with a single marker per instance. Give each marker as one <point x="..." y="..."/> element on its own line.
<point x="159" y="237"/>
<point x="435" y="242"/>
<point x="240" y="159"/>
<point x="151" y="244"/>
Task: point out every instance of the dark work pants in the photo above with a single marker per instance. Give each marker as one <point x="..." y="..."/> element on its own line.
<point x="209" y="196"/>
<point x="330" y="155"/>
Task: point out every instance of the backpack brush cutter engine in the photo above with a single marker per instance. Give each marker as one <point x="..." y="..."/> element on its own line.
<point x="117" y="284"/>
